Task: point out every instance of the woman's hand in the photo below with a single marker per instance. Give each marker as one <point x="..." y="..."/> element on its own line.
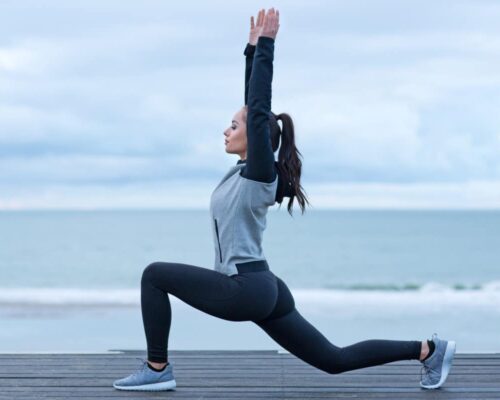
<point x="255" y="29"/>
<point x="271" y="23"/>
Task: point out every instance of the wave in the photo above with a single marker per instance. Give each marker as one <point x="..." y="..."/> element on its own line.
<point x="426" y="287"/>
<point x="69" y="296"/>
<point x="486" y="293"/>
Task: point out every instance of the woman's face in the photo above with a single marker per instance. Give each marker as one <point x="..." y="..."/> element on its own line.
<point x="236" y="134"/>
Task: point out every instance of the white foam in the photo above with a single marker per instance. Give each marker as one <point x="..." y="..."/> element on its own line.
<point x="428" y="295"/>
<point x="69" y="296"/>
<point x="46" y="352"/>
<point x="492" y="286"/>
<point x="395" y="299"/>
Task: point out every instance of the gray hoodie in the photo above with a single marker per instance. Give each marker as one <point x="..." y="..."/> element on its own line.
<point x="238" y="207"/>
<point x="239" y="203"/>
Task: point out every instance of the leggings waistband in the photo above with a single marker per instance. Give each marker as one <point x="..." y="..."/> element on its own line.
<point x="252" y="266"/>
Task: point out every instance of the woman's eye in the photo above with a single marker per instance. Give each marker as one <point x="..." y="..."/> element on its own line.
<point x="234" y="127"/>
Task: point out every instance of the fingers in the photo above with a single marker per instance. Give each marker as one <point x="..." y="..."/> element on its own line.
<point x="260" y="19"/>
<point x="271" y="20"/>
<point x="267" y="23"/>
<point x="271" y="16"/>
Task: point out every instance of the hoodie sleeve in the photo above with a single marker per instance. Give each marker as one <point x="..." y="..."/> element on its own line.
<point x="260" y="156"/>
<point x="249" y="52"/>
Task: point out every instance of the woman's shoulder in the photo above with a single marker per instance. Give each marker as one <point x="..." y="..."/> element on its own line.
<point x="258" y="193"/>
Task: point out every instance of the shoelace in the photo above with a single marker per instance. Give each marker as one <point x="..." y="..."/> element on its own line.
<point x="141" y="368"/>
<point x="425" y="367"/>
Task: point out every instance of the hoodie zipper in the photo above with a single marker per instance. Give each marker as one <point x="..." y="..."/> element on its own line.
<point x="218" y="240"/>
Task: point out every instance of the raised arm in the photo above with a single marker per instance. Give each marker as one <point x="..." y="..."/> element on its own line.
<point x="260" y="156"/>
<point x="255" y="30"/>
<point x="249" y="52"/>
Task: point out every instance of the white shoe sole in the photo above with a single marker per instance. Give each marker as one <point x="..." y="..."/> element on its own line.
<point x="151" y="387"/>
<point x="447" y="360"/>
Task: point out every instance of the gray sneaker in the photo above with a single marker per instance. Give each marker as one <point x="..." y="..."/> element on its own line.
<point x="438" y="365"/>
<point x="147" y="379"/>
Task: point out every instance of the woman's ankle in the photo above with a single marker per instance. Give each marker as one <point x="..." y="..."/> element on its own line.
<point x="424" y="350"/>
<point x="157" y="365"/>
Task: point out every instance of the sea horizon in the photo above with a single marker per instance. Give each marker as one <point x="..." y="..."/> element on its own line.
<point x="71" y="279"/>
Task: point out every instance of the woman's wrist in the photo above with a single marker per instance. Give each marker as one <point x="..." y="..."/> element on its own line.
<point x="264" y="38"/>
<point x="249" y="49"/>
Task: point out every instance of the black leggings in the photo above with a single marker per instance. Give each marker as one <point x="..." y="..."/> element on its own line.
<point x="260" y="297"/>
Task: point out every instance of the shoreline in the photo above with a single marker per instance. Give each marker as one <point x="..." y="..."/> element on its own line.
<point x="101" y="328"/>
<point x="430" y="294"/>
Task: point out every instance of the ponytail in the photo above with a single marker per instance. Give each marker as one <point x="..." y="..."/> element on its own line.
<point x="289" y="164"/>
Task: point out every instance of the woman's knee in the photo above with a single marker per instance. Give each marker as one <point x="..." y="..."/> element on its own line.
<point x="335" y="369"/>
<point x="149" y="273"/>
<point x="335" y="363"/>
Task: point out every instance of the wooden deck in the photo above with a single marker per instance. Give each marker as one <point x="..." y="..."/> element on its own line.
<point x="239" y="375"/>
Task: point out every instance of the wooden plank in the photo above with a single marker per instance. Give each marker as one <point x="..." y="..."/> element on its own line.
<point x="238" y="374"/>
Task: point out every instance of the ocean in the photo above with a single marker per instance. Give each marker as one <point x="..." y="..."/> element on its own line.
<point x="70" y="279"/>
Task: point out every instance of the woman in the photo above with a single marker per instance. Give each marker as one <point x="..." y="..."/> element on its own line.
<point x="241" y="287"/>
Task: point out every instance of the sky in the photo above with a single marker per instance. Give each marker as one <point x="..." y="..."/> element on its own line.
<point x="123" y="104"/>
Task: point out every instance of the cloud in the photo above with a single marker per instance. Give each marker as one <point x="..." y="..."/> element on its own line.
<point x="16" y="59"/>
<point x="183" y="194"/>
<point x="462" y="195"/>
<point x="119" y="93"/>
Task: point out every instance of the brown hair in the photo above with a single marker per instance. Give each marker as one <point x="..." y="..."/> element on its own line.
<point x="289" y="163"/>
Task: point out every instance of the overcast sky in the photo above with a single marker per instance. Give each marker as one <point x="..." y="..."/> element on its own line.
<point x="123" y="104"/>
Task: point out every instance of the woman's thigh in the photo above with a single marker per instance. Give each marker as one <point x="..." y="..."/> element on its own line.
<point x="242" y="297"/>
